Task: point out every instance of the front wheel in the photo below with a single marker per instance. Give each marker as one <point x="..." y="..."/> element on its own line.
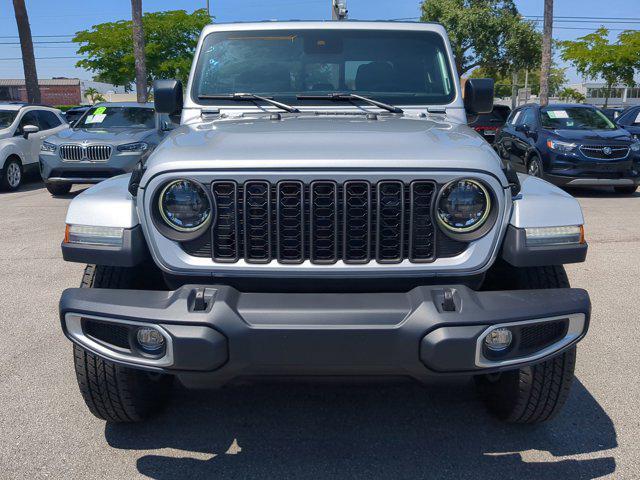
<point x="11" y="178"/>
<point x="535" y="168"/>
<point x="630" y="190"/>
<point x="112" y="392"/>
<point x="57" y="189"/>
<point x="535" y="393"/>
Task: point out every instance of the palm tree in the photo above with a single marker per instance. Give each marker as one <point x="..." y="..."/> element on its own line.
<point x="545" y="70"/>
<point x="138" y="51"/>
<point x="28" y="57"/>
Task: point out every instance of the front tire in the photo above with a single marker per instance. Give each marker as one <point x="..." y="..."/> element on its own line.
<point x="535" y="167"/>
<point x="112" y="392"/>
<point x="12" y="174"/>
<point x="57" y="189"/>
<point x="630" y="190"/>
<point x="535" y="393"/>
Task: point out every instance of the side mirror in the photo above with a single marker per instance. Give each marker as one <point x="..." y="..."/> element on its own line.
<point x="167" y="96"/>
<point x="28" y="130"/>
<point x="478" y="95"/>
<point x="522" y="128"/>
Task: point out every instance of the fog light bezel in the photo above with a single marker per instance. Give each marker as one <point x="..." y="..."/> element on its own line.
<point x="145" y="350"/>
<point x="502" y="349"/>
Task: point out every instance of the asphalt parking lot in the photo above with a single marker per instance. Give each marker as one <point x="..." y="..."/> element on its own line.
<point x="312" y="431"/>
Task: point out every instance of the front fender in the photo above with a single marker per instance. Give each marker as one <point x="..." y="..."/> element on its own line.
<point x="7" y="149"/>
<point x="107" y="204"/>
<point x="541" y="204"/>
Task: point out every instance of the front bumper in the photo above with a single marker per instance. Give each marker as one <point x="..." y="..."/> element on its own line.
<point x="215" y="334"/>
<point x="54" y="170"/>
<point x="576" y="170"/>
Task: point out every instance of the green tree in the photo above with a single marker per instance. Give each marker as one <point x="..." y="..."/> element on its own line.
<point x="170" y="40"/>
<point x="486" y="33"/>
<point x="594" y="56"/>
<point x="557" y="80"/>
<point x="571" y="95"/>
<point x="93" y="95"/>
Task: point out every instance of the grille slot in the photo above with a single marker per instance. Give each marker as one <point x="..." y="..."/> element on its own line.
<point x="257" y="222"/>
<point x="290" y="222"/>
<point x="117" y="335"/>
<point x="324" y="222"/>
<point x="77" y="153"/>
<point x="225" y="231"/>
<point x="541" y="335"/>
<point x="390" y="222"/>
<point x="598" y="152"/>
<point x="357" y="222"/>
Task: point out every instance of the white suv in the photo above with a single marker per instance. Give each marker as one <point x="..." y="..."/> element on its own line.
<point x="22" y="129"/>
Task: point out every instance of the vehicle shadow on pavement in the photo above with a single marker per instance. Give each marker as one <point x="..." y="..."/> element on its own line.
<point x="598" y="192"/>
<point x="289" y="430"/>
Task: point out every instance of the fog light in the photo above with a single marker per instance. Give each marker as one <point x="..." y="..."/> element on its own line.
<point x="499" y="339"/>
<point x="150" y="340"/>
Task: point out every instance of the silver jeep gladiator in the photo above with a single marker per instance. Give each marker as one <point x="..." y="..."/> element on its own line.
<point x="323" y="210"/>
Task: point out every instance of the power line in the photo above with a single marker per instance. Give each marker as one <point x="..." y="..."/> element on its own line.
<point x="44" y="58"/>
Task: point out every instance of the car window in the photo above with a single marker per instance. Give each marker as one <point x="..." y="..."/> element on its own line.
<point x="575" y="118"/>
<point x="29" y="118"/>
<point x="48" y="120"/>
<point x="118" y="117"/>
<point x="7" y="117"/>
<point x="513" y="119"/>
<point x="528" y="118"/>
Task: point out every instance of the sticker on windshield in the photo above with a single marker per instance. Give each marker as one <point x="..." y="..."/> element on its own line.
<point x="558" y="114"/>
<point x="100" y="110"/>
<point x="96" y="118"/>
<point x="637" y="119"/>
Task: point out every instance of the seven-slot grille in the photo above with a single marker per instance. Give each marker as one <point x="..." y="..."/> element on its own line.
<point x="323" y="221"/>
<point x="605" y="152"/>
<point x="94" y="153"/>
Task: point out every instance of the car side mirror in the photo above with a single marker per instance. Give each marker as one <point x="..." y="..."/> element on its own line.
<point x="28" y="130"/>
<point x="522" y="128"/>
<point x="478" y="95"/>
<point x="168" y="96"/>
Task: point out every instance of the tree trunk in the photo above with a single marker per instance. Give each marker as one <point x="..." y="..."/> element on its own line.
<point x="28" y="58"/>
<point x="138" y="51"/>
<point x="545" y="69"/>
<point x="514" y="90"/>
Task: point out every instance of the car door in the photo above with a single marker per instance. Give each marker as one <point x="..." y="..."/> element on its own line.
<point x="524" y="128"/>
<point x="28" y="147"/>
<point x="504" y="138"/>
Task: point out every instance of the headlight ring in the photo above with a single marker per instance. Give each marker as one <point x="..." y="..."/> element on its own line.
<point x="464" y="209"/>
<point x="183" y="209"/>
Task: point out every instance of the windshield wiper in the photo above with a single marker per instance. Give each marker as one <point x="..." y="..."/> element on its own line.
<point x="352" y="96"/>
<point x="250" y="97"/>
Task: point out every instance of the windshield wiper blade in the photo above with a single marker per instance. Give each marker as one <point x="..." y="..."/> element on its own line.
<point x="352" y="96"/>
<point x="250" y="97"/>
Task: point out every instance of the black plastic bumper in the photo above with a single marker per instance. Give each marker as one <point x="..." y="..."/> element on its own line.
<point x="247" y="334"/>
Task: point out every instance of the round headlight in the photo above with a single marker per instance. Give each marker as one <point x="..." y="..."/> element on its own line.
<point x="184" y="206"/>
<point x="463" y="206"/>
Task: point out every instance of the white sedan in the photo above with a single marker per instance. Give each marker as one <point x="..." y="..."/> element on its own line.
<point x="22" y="129"/>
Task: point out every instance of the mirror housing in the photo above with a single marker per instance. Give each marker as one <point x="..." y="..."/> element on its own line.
<point x="478" y="95"/>
<point x="28" y="130"/>
<point x="168" y="96"/>
<point x="523" y="128"/>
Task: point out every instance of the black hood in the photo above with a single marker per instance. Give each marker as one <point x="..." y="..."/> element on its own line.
<point x="594" y="136"/>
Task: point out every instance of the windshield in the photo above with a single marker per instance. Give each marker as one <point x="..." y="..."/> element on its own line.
<point x="395" y="67"/>
<point x="7" y="117"/>
<point x="575" y="118"/>
<point x="118" y="117"/>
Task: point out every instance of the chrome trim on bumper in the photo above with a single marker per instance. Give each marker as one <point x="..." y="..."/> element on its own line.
<point x="76" y="180"/>
<point x="577" y="323"/>
<point x="73" y="324"/>
<point x="601" y="182"/>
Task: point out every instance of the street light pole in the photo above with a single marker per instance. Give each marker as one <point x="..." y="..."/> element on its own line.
<point x="545" y="70"/>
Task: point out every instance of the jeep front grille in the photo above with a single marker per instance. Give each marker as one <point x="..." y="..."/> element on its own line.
<point x="605" y="152"/>
<point x="93" y="153"/>
<point x="324" y="222"/>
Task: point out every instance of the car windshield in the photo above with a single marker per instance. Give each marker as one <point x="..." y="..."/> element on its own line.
<point x="118" y="117"/>
<point x="396" y="67"/>
<point x="575" y="118"/>
<point x="7" y="117"/>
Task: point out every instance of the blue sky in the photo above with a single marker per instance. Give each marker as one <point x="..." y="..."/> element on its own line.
<point x="64" y="17"/>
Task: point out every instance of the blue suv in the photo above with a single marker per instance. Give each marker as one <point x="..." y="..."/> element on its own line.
<point x="570" y="145"/>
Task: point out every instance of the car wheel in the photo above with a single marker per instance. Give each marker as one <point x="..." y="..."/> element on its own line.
<point x="12" y="175"/>
<point x="626" y="190"/>
<point x="113" y="392"/>
<point x="535" y="393"/>
<point x="535" y="168"/>
<point x="56" y="189"/>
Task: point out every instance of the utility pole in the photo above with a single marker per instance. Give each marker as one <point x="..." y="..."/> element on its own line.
<point x="138" y="51"/>
<point x="339" y="9"/>
<point x="28" y="57"/>
<point x="208" y="9"/>
<point x="545" y="69"/>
